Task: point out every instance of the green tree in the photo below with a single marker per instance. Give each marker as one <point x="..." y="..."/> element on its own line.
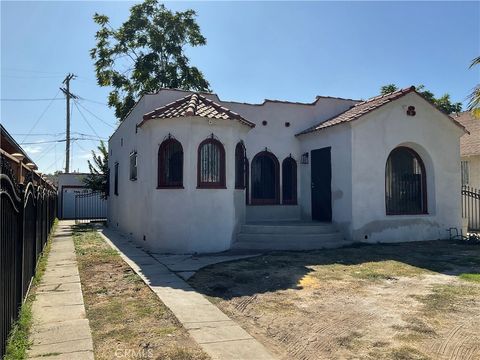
<point x="474" y="97"/>
<point x="97" y="180"/>
<point x="443" y="102"/>
<point x="146" y="53"/>
<point x="387" y="89"/>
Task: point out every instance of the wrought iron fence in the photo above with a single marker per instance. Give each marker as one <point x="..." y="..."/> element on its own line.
<point x="90" y="206"/>
<point x="471" y="207"/>
<point x="27" y="214"/>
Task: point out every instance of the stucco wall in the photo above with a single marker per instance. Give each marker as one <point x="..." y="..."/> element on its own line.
<point x="474" y="170"/>
<point x="176" y="220"/>
<point x="339" y="139"/>
<point x="436" y="139"/>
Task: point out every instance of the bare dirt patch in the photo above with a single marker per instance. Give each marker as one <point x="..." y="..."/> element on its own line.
<point x="127" y="319"/>
<point x="405" y="301"/>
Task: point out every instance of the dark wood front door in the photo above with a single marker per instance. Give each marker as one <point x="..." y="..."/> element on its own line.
<point x="321" y="173"/>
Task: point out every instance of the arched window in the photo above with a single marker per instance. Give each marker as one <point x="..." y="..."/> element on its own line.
<point x="289" y="181"/>
<point x="405" y="183"/>
<point x="211" y="164"/>
<point x="265" y="179"/>
<point x="170" y="164"/>
<point x="240" y="166"/>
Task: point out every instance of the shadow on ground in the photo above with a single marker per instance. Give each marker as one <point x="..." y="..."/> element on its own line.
<point x="284" y="270"/>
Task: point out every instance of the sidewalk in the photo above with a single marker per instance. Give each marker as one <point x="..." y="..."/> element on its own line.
<point x="219" y="336"/>
<point x="60" y="328"/>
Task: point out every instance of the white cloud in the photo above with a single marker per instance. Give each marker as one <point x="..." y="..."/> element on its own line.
<point x="31" y="150"/>
<point x="86" y="156"/>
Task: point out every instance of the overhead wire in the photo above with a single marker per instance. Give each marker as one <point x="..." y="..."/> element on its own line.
<point x="30" y="99"/>
<point x="94" y="115"/>
<point x="85" y="119"/>
<point x="41" y="116"/>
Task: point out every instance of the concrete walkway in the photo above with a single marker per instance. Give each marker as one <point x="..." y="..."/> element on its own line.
<point x="218" y="335"/>
<point x="60" y="327"/>
<point x="186" y="266"/>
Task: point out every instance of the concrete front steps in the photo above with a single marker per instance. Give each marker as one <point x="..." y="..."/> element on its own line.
<point x="288" y="235"/>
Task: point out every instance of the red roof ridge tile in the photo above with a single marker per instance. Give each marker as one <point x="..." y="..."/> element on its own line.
<point x="358" y="110"/>
<point x="194" y="104"/>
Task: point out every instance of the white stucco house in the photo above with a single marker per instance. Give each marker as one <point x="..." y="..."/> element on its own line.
<point x="470" y="149"/>
<point x="192" y="173"/>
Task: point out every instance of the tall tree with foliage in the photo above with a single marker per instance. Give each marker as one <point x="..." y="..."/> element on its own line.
<point x="97" y="180"/>
<point x="443" y="102"/>
<point x="474" y="97"/>
<point x="387" y="89"/>
<point x="146" y="53"/>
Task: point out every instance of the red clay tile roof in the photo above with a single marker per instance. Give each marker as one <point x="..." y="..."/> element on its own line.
<point x="364" y="107"/>
<point x="195" y="105"/>
<point x="469" y="143"/>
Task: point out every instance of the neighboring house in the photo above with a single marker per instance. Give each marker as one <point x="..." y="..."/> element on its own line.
<point x="470" y="150"/>
<point x="69" y="185"/>
<point x="192" y="173"/>
<point x="71" y="206"/>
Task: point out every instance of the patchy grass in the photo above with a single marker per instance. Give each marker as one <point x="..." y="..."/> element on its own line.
<point x="470" y="277"/>
<point x="407" y="353"/>
<point x="127" y="319"/>
<point x="18" y="341"/>
<point x="446" y="298"/>
<point x="386" y="301"/>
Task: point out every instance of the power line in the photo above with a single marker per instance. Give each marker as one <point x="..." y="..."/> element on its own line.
<point x="43" y="113"/>
<point x="81" y="147"/>
<point x="40" y="134"/>
<point x="45" y="152"/>
<point x="31" y="71"/>
<point x="93" y="101"/>
<point x="84" y="118"/>
<point x="31" y="77"/>
<point x="95" y="116"/>
<point x="32" y="99"/>
<point x="63" y="140"/>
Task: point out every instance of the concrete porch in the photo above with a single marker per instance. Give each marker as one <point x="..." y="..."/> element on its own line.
<point x="279" y="227"/>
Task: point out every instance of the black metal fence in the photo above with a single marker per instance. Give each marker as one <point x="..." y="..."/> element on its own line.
<point x="27" y="213"/>
<point x="90" y="206"/>
<point x="471" y="207"/>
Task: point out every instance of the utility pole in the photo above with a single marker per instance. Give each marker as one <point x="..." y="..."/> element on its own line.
<point x="68" y="95"/>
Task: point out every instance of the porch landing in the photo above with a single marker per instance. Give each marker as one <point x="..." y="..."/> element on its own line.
<point x="289" y="235"/>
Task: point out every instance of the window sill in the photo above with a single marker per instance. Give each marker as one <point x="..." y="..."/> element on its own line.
<point x="171" y="187"/>
<point x="256" y="203"/>
<point x="412" y="214"/>
<point x="211" y="187"/>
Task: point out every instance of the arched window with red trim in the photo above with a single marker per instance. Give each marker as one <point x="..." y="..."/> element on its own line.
<point x="170" y="164"/>
<point x="211" y="165"/>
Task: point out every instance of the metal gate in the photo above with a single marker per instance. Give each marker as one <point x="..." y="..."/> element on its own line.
<point x="90" y="206"/>
<point x="471" y="207"/>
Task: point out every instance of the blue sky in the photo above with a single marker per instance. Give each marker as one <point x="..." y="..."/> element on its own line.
<point x="255" y="50"/>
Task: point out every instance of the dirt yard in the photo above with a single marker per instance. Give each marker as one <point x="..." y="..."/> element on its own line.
<point x="127" y="319"/>
<point x="407" y="301"/>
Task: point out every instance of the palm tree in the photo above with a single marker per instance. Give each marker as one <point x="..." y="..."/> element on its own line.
<point x="474" y="97"/>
